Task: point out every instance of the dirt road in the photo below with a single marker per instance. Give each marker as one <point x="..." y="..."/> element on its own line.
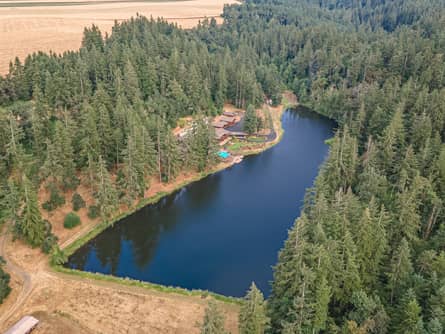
<point x="23" y="276"/>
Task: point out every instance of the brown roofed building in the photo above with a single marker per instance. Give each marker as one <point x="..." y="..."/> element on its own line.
<point x="228" y="119"/>
<point x="229" y="113"/>
<point x="219" y="124"/>
<point x="221" y="134"/>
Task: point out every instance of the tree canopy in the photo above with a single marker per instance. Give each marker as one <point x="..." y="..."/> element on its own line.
<point x="367" y="254"/>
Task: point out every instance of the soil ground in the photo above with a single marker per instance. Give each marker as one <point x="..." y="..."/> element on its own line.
<point x="30" y="26"/>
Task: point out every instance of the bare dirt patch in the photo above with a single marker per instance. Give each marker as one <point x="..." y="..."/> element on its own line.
<point x="24" y="30"/>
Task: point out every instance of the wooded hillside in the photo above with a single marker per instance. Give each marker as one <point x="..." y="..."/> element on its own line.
<point x="368" y="253"/>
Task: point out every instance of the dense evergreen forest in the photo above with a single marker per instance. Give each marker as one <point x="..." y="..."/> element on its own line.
<point x="367" y="254"/>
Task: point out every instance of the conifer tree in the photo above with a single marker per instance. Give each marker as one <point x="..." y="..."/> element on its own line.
<point x="106" y="194"/>
<point x="135" y="163"/>
<point x="410" y="319"/>
<point x="400" y="269"/>
<point x="65" y="154"/>
<point x="131" y="83"/>
<point x="170" y="156"/>
<point x="12" y="201"/>
<point x="292" y="278"/>
<point x="252" y="316"/>
<point x="393" y="141"/>
<point x="90" y="139"/>
<point x="251" y="121"/>
<point x="371" y="244"/>
<point x="30" y="225"/>
<point x="202" y="147"/>
<point x="52" y="169"/>
<point x="321" y="305"/>
<point x="213" y="320"/>
<point x="16" y="155"/>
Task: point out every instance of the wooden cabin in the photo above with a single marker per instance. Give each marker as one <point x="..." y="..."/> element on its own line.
<point x="229" y="120"/>
<point x="219" y="124"/>
<point x="229" y="113"/>
<point x="23" y="326"/>
<point x="221" y="134"/>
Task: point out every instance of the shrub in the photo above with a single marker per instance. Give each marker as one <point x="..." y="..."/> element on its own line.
<point x="55" y="199"/>
<point x="49" y="243"/>
<point x="77" y="202"/>
<point x="4" y="283"/>
<point x="93" y="212"/>
<point x="71" y="220"/>
<point x="71" y="183"/>
<point x="58" y="256"/>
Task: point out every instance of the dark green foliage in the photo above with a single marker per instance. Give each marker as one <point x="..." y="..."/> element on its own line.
<point x="4" y="282"/>
<point x="49" y="243"/>
<point x="106" y="195"/>
<point x="58" y="257"/>
<point x="29" y="224"/>
<point x="71" y="220"/>
<point x="77" y="202"/>
<point x="252" y="122"/>
<point x="93" y="211"/>
<point x="56" y="199"/>
<point x="213" y="322"/>
<point x="252" y="316"/>
<point x="202" y="145"/>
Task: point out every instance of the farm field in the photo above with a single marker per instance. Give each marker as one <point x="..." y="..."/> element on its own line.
<point x="45" y="25"/>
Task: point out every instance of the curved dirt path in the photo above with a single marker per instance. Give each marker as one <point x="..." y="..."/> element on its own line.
<point x="27" y="284"/>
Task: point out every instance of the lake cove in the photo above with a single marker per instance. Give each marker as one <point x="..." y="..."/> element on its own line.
<point x="224" y="231"/>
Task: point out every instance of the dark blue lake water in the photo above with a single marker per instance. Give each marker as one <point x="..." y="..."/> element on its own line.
<point x="223" y="232"/>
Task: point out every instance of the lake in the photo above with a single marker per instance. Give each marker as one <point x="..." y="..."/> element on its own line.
<point x="224" y="231"/>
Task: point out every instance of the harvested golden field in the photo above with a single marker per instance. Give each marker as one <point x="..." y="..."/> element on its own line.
<point x="36" y="25"/>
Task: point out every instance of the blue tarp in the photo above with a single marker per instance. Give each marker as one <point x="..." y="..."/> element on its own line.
<point x="223" y="154"/>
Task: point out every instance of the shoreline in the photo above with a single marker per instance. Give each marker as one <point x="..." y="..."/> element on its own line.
<point x="91" y="233"/>
<point x="36" y="276"/>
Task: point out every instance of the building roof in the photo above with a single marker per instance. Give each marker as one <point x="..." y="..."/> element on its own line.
<point x="24" y="326"/>
<point x="219" y="124"/>
<point x="238" y="133"/>
<point x="229" y="113"/>
<point x="228" y="119"/>
<point x="220" y="133"/>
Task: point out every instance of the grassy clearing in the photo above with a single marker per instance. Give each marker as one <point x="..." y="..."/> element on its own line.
<point x="146" y="285"/>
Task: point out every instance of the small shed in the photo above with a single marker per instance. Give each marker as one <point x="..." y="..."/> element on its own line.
<point x="24" y="326"/>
